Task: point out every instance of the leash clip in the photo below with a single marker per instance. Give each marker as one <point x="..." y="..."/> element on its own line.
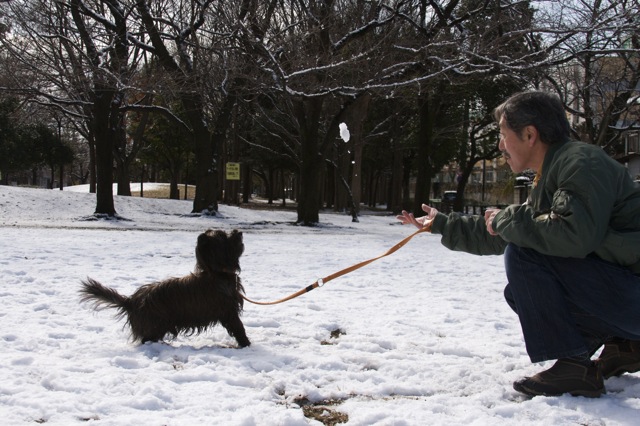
<point x="320" y="282"/>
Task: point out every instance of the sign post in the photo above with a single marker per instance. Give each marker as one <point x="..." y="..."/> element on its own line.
<point x="233" y="171"/>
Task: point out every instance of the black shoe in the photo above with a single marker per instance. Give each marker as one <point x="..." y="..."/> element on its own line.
<point x="565" y="376"/>
<point x="619" y="357"/>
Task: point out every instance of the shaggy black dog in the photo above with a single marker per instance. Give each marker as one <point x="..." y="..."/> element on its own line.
<point x="191" y="304"/>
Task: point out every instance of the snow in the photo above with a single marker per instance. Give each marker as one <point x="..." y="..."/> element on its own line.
<point x="344" y="132"/>
<point x="421" y="337"/>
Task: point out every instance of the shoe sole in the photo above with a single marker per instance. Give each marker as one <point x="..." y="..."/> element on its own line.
<point x="586" y="393"/>
<point x="629" y="368"/>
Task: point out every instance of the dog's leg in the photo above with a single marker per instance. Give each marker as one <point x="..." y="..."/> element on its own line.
<point x="146" y="327"/>
<point x="155" y="336"/>
<point x="235" y="328"/>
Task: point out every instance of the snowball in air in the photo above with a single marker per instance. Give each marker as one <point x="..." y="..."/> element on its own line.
<point x="344" y="132"/>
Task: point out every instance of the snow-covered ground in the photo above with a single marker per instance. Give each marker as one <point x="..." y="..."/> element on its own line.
<point x="422" y="337"/>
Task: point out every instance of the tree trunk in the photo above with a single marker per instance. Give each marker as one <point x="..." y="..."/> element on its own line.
<point x="174" y="191"/>
<point x="105" y="125"/>
<point x="426" y="115"/>
<point x="122" y="161"/>
<point x="358" y="113"/>
<point x="126" y="154"/>
<point x="207" y="155"/>
<point x="123" y="179"/>
<point x="308" y="113"/>
<point x="406" y="178"/>
<point x="93" y="167"/>
<point x="394" y="196"/>
<point x="338" y="177"/>
<point x="331" y="197"/>
<point x="269" y="184"/>
<point x="206" y="198"/>
<point x="61" y="174"/>
<point x="467" y="158"/>
<point x="247" y="187"/>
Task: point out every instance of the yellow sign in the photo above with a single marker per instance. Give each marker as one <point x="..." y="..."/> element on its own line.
<point x="233" y="171"/>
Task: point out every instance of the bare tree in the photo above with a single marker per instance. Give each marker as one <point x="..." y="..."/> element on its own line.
<point x="80" y="62"/>
<point x="322" y="55"/>
<point x="312" y="55"/>
<point x="301" y="67"/>
<point x="599" y="85"/>
<point x="186" y="38"/>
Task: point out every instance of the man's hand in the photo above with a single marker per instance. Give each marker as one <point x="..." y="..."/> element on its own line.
<point x="489" y="214"/>
<point x="420" y="222"/>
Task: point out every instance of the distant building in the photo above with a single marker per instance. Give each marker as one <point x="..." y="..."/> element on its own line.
<point x="631" y="155"/>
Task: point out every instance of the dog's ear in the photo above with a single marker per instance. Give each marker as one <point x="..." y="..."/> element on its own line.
<point x="236" y="236"/>
<point x="235" y="240"/>
<point x="202" y="238"/>
<point x="208" y="258"/>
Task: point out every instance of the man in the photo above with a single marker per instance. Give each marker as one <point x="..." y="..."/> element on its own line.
<point x="571" y="252"/>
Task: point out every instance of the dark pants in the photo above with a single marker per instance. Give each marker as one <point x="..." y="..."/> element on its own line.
<point x="570" y="306"/>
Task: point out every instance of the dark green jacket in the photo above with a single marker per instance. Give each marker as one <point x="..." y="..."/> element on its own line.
<point x="585" y="202"/>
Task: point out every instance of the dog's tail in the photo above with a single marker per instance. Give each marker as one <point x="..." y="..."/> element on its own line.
<point x="103" y="297"/>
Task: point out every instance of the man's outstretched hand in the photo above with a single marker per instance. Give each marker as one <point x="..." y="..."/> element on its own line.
<point x="419" y="222"/>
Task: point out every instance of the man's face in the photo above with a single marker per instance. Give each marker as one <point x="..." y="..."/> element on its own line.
<point x="515" y="149"/>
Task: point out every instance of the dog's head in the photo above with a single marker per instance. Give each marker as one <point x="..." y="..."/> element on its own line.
<point x="218" y="251"/>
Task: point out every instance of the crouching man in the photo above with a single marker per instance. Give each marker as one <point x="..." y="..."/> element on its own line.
<point x="571" y="252"/>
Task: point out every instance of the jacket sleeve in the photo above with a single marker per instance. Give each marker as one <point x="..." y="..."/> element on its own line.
<point x="467" y="233"/>
<point x="576" y="222"/>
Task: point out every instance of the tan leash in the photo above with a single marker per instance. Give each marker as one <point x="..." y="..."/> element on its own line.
<point x="322" y="281"/>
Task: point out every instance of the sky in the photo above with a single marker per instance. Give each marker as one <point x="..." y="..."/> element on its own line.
<point x="421" y="337"/>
